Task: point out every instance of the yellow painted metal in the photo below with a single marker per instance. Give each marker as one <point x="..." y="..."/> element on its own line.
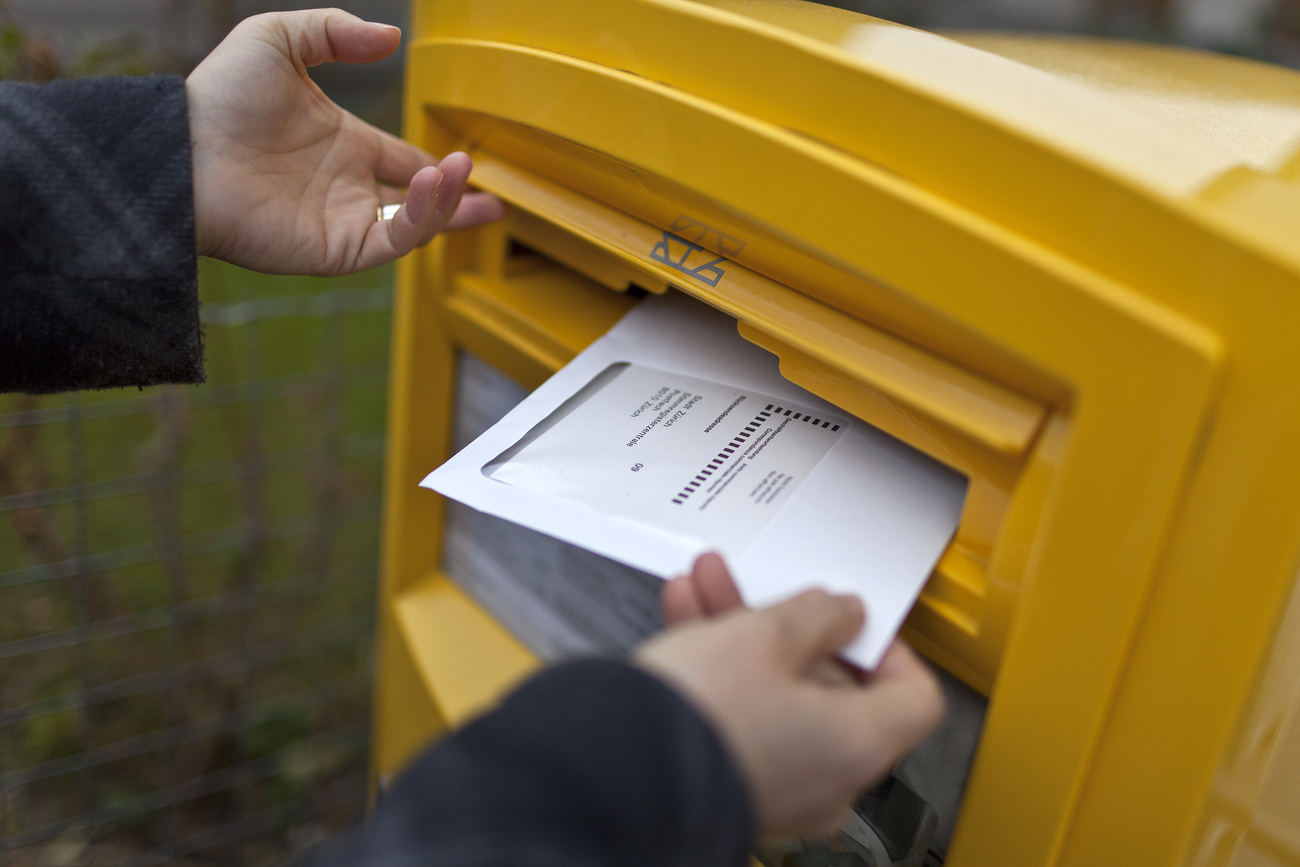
<point x="1069" y="269"/>
<point x="463" y="672"/>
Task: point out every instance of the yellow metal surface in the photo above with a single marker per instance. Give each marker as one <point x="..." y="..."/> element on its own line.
<point x="468" y="658"/>
<point x="1069" y="269"/>
<point x="1250" y="110"/>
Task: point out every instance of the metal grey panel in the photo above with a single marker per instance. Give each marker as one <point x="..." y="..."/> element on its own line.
<point x="558" y="599"/>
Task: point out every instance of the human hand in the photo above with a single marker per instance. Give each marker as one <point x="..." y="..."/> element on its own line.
<point x="708" y="590"/>
<point x="807" y="742"/>
<point x="285" y="181"/>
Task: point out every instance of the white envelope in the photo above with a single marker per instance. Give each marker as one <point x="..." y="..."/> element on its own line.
<point x="672" y="435"/>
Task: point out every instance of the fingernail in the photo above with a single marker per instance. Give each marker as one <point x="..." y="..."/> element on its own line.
<point x="389" y="26"/>
<point x="437" y="183"/>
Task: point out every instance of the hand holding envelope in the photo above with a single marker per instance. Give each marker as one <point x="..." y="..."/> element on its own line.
<point x="808" y="742"/>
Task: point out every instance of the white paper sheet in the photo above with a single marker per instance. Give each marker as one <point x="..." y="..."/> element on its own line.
<point x="672" y="436"/>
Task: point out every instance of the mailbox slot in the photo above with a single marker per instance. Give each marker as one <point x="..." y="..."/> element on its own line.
<point x="537" y="289"/>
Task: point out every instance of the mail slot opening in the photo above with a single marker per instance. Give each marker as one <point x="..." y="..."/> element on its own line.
<point x="618" y="227"/>
<point x="504" y="299"/>
<point x="985" y="430"/>
<point x="535" y="289"/>
<point x="520" y="253"/>
<point x="596" y="226"/>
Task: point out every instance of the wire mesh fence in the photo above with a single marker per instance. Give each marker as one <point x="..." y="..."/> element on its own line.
<point x="187" y="589"/>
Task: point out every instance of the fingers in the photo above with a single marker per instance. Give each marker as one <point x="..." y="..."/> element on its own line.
<point x="399" y="160"/>
<point x="680" y="602"/>
<point x="805" y="746"/>
<point x="707" y="591"/>
<point x="813" y="625"/>
<point x="421" y="215"/>
<point x="899" y="709"/>
<point x="833" y="672"/>
<point x="900" y="662"/>
<point x="432" y="199"/>
<point x="714" y="586"/>
<point x="914" y="685"/>
<point x="476" y="209"/>
<point x="319" y="36"/>
<point x="424" y="212"/>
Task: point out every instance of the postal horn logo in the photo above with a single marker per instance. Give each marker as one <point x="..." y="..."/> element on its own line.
<point x="685" y="247"/>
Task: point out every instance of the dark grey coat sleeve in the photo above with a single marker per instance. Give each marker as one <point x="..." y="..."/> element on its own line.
<point x="98" y="280"/>
<point x="591" y="764"/>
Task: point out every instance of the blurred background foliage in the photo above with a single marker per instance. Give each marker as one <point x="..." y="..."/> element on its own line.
<point x="31" y="55"/>
<point x="187" y="574"/>
<point x="186" y="589"/>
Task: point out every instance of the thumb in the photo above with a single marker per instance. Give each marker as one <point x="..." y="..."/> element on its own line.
<point x="317" y="36"/>
<point x="813" y="625"/>
<point x="717" y="590"/>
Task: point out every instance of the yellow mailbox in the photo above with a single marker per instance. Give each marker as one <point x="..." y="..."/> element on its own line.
<point x="1068" y="269"/>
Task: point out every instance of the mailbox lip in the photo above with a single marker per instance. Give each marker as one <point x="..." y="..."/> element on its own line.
<point x="969" y="403"/>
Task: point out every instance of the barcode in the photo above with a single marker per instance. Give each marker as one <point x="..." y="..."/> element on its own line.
<point x="723" y="456"/>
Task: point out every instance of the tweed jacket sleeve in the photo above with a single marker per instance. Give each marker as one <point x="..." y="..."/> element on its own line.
<point x="98" y="280"/>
